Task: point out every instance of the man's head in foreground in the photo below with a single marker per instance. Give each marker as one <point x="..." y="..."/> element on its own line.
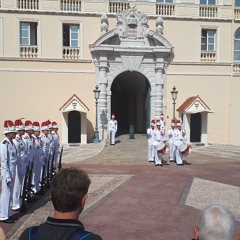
<point x="69" y="189"/>
<point x="216" y="223"/>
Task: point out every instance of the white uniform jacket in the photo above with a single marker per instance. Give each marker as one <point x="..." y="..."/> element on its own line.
<point x="55" y="141"/>
<point x="178" y="137"/>
<point x="29" y="145"/>
<point x="170" y="134"/>
<point x="21" y="152"/>
<point x="46" y="145"/>
<point x="38" y="150"/>
<point x="150" y="135"/>
<point x="8" y="160"/>
<point x="112" y="125"/>
<point x="158" y="137"/>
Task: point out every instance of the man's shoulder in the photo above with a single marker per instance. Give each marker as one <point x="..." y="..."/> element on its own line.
<point x="24" y="235"/>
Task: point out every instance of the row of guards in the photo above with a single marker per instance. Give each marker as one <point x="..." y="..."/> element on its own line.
<point x="28" y="163"/>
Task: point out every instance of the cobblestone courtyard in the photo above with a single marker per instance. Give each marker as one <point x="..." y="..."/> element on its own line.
<point x="130" y="198"/>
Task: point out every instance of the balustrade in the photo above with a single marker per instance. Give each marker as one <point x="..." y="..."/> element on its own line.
<point x="237" y="13"/>
<point x="28" y="4"/>
<point x="117" y="7"/>
<point x="71" y="5"/>
<point x="208" y="56"/>
<point x="71" y="53"/>
<point x="208" y="11"/>
<point x="165" y="9"/>
<point x="236" y="68"/>
<point x="29" y="51"/>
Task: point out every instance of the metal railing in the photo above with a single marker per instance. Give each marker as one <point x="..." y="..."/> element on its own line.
<point x="165" y="9"/>
<point x="207" y="56"/>
<point x="29" y="51"/>
<point x="71" y="5"/>
<point x="208" y="11"/>
<point x="28" y="4"/>
<point x="117" y="7"/>
<point x="71" y="53"/>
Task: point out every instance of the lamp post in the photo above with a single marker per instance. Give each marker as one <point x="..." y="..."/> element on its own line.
<point x="96" y="95"/>
<point x="174" y="97"/>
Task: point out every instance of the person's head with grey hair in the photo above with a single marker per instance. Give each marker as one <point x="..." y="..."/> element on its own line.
<point x="216" y="222"/>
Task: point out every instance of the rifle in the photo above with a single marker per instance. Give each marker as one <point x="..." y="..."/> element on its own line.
<point x="29" y="187"/>
<point x="51" y="170"/>
<point x="23" y="207"/>
<point x="48" y="170"/>
<point x="60" y="160"/>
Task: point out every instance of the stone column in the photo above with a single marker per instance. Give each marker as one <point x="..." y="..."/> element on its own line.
<point x="159" y="92"/>
<point x="102" y="110"/>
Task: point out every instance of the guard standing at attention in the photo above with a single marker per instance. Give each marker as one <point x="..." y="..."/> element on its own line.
<point x="112" y="129"/>
<point x="8" y="170"/>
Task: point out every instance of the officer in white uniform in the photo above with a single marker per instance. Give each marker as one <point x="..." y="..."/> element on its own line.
<point x="56" y="144"/>
<point x="171" y="145"/>
<point x="112" y="129"/>
<point x="179" y="137"/>
<point x="8" y="170"/>
<point x="150" y="136"/>
<point x="21" y="164"/>
<point x="50" y="136"/>
<point x="159" y="138"/>
<point x="38" y="160"/>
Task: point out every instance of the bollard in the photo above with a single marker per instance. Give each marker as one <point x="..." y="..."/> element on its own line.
<point x="131" y="131"/>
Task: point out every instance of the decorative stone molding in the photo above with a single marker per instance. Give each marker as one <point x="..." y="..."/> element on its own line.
<point x="104" y="24"/>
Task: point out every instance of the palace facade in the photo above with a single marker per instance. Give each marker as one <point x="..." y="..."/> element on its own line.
<point x="54" y="52"/>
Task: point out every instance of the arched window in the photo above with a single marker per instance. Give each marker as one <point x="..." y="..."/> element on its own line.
<point x="237" y="46"/>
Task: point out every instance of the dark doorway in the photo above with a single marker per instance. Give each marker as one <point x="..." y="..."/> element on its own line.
<point x="130" y="101"/>
<point x="195" y="127"/>
<point x="74" y="127"/>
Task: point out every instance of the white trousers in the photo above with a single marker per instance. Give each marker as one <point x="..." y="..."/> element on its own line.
<point x="178" y="156"/>
<point x="112" y="136"/>
<point x="55" y="159"/>
<point x="37" y="169"/>
<point x="5" y="200"/>
<point x="158" y="158"/>
<point x="18" y="182"/>
<point x="171" y="150"/>
<point x="150" y="151"/>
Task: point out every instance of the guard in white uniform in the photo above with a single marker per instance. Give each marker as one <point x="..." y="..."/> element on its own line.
<point x="159" y="138"/>
<point x="51" y="147"/>
<point x="112" y="129"/>
<point x="8" y="170"/>
<point x="56" y="144"/>
<point x="171" y="145"/>
<point x="150" y="136"/>
<point x="179" y="137"/>
<point x="162" y="122"/>
<point x="21" y="164"/>
<point x="38" y="160"/>
<point x="45" y="142"/>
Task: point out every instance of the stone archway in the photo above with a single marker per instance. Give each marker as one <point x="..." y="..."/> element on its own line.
<point x="131" y="46"/>
<point x="130" y="101"/>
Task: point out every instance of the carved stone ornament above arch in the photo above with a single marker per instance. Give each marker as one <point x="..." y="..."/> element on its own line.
<point x="74" y="103"/>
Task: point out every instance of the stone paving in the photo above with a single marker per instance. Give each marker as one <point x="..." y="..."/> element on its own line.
<point x="128" y="193"/>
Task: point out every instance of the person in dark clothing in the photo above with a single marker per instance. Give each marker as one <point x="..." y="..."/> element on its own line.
<point x="69" y="189"/>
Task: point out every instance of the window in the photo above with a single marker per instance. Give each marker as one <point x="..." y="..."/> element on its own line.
<point x="237" y="3"/>
<point x="208" y="40"/>
<point x="237" y="46"/>
<point x="28" y="33"/>
<point x="207" y="2"/>
<point x="70" y="35"/>
<point x="164" y="1"/>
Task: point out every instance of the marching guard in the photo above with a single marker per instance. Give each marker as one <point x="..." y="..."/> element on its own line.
<point x="179" y="137"/>
<point x="159" y="139"/>
<point x="21" y="164"/>
<point x="8" y="170"/>
<point x="150" y="136"/>
<point x="171" y="144"/>
<point x="162" y="122"/>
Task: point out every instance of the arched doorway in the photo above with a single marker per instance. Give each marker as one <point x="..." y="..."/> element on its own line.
<point x="130" y="101"/>
<point x="74" y="127"/>
<point x="195" y="127"/>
